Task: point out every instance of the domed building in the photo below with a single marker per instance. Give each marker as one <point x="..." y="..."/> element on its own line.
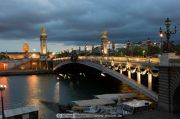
<point x="25" y="47"/>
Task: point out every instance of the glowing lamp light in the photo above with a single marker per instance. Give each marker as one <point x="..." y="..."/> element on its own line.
<point x="143" y="52"/>
<point x="102" y="74"/>
<point x="34" y="63"/>
<point x="161" y="35"/>
<point x="5" y="66"/>
<point x="53" y="53"/>
<point x="2" y="87"/>
<point x="84" y="75"/>
<point x="33" y="55"/>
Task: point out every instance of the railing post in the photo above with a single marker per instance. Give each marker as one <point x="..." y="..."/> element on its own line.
<point x="138" y="77"/>
<point x="149" y="81"/>
<point x="120" y="71"/>
<point x="129" y="73"/>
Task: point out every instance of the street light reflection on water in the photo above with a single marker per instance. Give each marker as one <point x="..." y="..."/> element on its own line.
<point x="45" y="92"/>
<point x="31" y="90"/>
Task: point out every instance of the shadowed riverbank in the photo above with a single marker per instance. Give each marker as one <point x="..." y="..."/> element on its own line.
<point x="24" y="72"/>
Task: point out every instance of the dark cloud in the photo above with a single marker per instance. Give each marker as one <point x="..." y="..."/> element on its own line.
<point x="82" y="21"/>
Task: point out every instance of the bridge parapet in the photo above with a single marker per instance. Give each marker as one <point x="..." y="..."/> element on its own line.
<point x="130" y="64"/>
<point x="117" y="59"/>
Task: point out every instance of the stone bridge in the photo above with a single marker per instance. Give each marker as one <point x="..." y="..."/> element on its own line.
<point x="110" y="67"/>
<point x="168" y="66"/>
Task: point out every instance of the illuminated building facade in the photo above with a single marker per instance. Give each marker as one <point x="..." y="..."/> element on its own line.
<point x="32" y="58"/>
<point x="104" y="43"/>
<point x="25" y="47"/>
<point x="43" y="38"/>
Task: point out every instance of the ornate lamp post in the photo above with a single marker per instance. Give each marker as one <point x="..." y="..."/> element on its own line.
<point x="2" y="88"/>
<point x="167" y="46"/>
<point x="161" y="36"/>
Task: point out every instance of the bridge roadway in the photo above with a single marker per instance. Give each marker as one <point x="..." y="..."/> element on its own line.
<point x="121" y="77"/>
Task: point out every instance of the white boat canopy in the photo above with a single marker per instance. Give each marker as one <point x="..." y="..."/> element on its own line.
<point x="116" y="96"/>
<point x="137" y="103"/>
<point x="93" y="102"/>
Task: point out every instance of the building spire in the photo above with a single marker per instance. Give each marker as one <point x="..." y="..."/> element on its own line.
<point x="104" y="35"/>
<point x="43" y="39"/>
<point x="43" y="30"/>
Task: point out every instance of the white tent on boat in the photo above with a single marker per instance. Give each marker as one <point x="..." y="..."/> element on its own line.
<point x="116" y="96"/>
<point x="137" y="103"/>
<point x="93" y="102"/>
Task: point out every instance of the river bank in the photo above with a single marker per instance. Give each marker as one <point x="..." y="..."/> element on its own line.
<point x="24" y="72"/>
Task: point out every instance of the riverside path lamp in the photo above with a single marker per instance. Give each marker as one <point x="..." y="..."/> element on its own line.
<point x="168" y="44"/>
<point x="2" y="88"/>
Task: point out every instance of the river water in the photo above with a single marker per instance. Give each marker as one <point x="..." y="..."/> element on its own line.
<point x="45" y="92"/>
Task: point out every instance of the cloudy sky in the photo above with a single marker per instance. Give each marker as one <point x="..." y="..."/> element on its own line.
<point x="80" y="22"/>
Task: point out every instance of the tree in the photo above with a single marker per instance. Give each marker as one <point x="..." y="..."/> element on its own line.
<point x="153" y="50"/>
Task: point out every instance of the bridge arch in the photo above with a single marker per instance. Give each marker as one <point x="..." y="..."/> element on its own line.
<point x="114" y="74"/>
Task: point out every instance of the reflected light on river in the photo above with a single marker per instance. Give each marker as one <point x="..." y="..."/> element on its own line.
<point x="45" y="92"/>
<point x="32" y="80"/>
<point x="56" y="93"/>
<point x="32" y="86"/>
<point x="4" y="81"/>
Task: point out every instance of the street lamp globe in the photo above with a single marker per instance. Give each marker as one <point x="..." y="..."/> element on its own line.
<point x="161" y="32"/>
<point x="161" y="35"/>
<point x="2" y="87"/>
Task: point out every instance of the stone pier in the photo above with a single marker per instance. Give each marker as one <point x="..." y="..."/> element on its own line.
<point x="169" y="83"/>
